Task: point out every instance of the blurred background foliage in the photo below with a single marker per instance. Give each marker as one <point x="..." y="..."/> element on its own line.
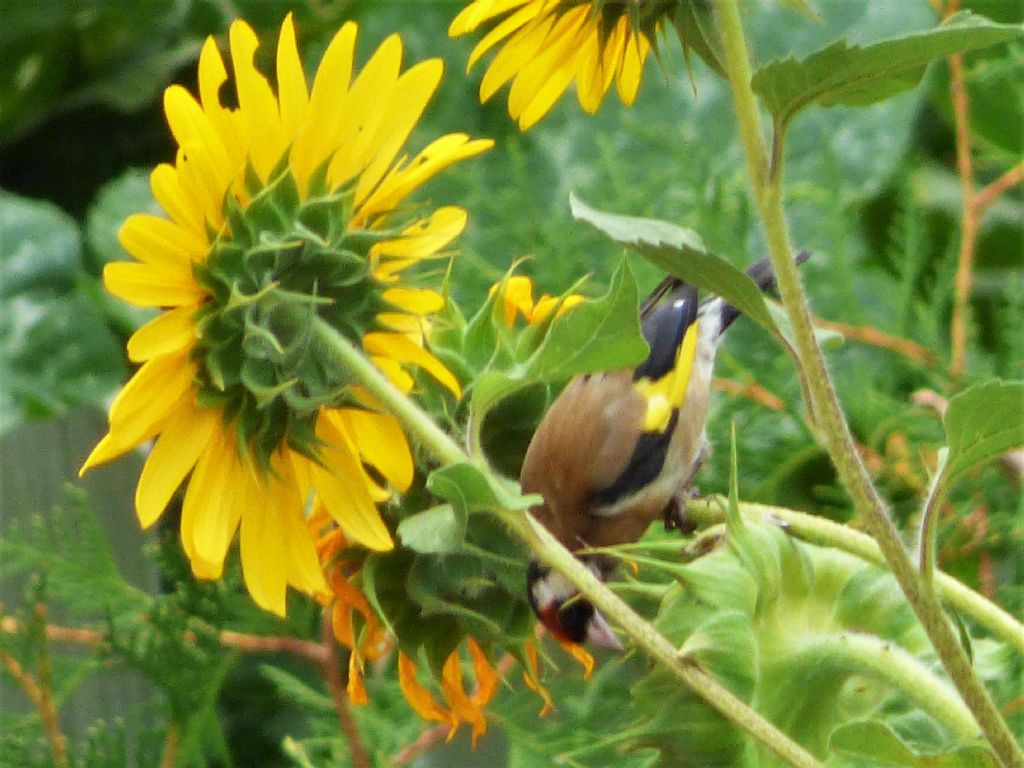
<point x="874" y="193"/>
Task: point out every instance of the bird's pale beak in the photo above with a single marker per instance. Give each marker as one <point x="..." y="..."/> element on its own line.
<point x="600" y="632"/>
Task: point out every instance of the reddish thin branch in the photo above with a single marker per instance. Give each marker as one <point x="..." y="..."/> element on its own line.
<point x="339" y="693"/>
<point x="876" y="338"/>
<point x="432" y="736"/>
<point x="43" y="703"/>
<point x="313" y="652"/>
<point x="969" y="227"/>
<point x="989" y="194"/>
<point x="172" y="746"/>
<point x="751" y="391"/>
<point x="310" y="651"/>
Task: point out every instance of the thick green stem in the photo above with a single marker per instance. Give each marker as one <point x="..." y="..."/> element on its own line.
<point x="446" y="451"/>
<point x="818" y="530"/>
<point x="824" y="405"/>
<point x="854" y="653"/>
<point x="547" y="548"/>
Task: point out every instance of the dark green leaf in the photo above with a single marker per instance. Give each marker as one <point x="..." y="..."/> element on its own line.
<point x="860" y="75"/>
<point x="55" y="348"/>
<point x="439" y="529"/>
<point x="682" y="253"/>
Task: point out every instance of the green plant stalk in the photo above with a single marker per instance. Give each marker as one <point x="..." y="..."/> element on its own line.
<point x="447" y="451"/>
<point x="818" y="530"/>
<point x="867" y="655"/>
<point x="824" y="405"/>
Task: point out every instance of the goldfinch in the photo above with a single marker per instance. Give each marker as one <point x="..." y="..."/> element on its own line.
<point x="617" y="450"/>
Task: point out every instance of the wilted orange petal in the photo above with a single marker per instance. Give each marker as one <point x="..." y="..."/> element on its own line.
<point x="356" y="689"/>
<point x="531" y="676"/>
<point x="486" y="675"/>
<point x="579" y="653"/>
<point x="419" y="698"/>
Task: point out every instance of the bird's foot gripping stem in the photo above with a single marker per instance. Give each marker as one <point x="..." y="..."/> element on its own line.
<point x="675" y="512"/>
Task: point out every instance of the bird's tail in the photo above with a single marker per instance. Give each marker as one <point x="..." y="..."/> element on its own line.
<point x="763" y="275"/>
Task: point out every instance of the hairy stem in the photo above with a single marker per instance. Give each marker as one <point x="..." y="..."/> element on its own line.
<point x="818" y="530"/>
<point x="446" y="451"/>
<point x="824" y="404"/>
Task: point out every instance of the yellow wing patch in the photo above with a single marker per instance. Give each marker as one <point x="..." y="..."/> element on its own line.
<point x="668" y="393"/>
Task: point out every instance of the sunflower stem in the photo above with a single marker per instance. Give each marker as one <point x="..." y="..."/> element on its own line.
<point x="423" y="429"/>
<point x="824" y="404"/>
<point x="536" y="537"/>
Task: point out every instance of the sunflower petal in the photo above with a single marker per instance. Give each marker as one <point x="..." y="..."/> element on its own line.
<point x="399" y="347"/>
<point x="165" y="334"/>
<point x="340" y="483"/>
<point x="380" y="440"/>
<point x="174" y="454"/>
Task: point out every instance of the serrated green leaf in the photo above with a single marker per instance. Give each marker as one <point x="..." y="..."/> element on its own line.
<point x="598" y="335"/>
<point x="861" y="75"/>
<point x="440" y="529"/>
<point x="873" y="744"/>
<point x="680" y="252"/>
<point x="982" y="423"/>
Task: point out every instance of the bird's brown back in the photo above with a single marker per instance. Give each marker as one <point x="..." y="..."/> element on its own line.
<point x="584" y="443"/>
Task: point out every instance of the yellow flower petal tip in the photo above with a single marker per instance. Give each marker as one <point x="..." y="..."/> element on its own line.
<point x="546" y="46"/>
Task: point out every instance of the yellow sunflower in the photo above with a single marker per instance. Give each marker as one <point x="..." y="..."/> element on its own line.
<point x="548" y="44"/>
<point x="282" y="217"/>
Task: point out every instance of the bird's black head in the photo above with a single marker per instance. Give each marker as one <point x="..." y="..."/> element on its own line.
<point x="563" y="611"/>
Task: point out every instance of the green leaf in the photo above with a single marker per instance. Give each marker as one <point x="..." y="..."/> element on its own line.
<point x="861" y="75"/>
<point x="440" y="529"/>
<point x="873" y="744"/>
<point x="982" y="423"/>
<point x="724" y="645"/>
<point x="680" y="252"/>
<point x="469" y="488"/>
